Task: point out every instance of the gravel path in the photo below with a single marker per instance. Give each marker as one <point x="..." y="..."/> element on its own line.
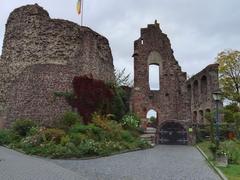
<point x="159" y="163"/>
<point x="16" y="166"/>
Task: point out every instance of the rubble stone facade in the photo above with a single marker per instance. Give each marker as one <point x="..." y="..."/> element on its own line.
<point x="37" y="52"/>
<point x="180" y="100"/>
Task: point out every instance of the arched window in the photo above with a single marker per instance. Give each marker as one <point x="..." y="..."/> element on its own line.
<point x="151" y="113"/>
<point x="195" y="116"/>
<point x="204" y="85"/>
<point x="154" y="70"/>
<point x="154" y="77"/>
<point x="152" y="118"/>
<point x="195" y="91"/>
<point x="189" y="91"/>
<point x="201" y="120"/>
<point x="207" y="116"/>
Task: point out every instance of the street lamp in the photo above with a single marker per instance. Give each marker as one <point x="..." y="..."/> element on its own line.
<point x="217" y="98"/>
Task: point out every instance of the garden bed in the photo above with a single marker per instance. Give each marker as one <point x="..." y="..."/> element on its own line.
<point x="232" y="171"/>
<point x="72" y="139"/>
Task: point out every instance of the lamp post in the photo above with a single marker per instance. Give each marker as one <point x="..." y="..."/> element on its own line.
<point x="217" y="99"/>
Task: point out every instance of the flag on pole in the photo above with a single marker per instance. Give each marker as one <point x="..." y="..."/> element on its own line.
<point x="79" y="7"/>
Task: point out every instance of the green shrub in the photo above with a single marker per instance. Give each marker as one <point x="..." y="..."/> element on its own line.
<point x="5" y="137"/>
<point x="131" y="120"/>
<point x="53" y="135"/>
<point x="65" y="140"/>
<point x="88" y="147"/>
<point x="213" y="148"/>
<point x="69" y="119"/>
<point x="143" y="144"/>
<point x="80" y="128"/>
<point x="127" y="136"/>
<point x="33" y="131"/>
<point x="231" y="148"/>
<point x="77" y="138"/>
<point x="101" y="121"/>
<point x="22" y="127"/>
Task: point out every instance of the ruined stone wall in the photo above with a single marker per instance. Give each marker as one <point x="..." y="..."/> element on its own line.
<point x="32" y="37"/>
<point x="31" y="94"/>
<point x="170" y="102"/>
<point x="200" y="88"/>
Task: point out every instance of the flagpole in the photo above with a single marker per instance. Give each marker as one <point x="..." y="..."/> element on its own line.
<point x="82" y="14"/>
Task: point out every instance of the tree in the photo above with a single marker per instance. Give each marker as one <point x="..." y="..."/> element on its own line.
<point x="122" y="79"/>
<point x="229" y="71"/>
<point x="229" y="111"/>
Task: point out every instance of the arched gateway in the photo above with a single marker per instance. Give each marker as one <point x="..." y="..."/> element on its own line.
<point x="176" y="98"/>
<point x="173" y="133"/>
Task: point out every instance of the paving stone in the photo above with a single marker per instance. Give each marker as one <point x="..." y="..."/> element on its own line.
<point x="17" y="166"/>
<point x="162" y="162"/>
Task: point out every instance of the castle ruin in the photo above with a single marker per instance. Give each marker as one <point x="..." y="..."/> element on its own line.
<point x="41" y="56"/>
<point x="180" y="103"/>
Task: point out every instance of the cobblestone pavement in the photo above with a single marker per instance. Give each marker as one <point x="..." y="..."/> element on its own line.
<point x="159" y="163"/>
<point x="16" y="166"/>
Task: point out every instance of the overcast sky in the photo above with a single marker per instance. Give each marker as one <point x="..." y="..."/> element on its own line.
<point x="198" y="29"/>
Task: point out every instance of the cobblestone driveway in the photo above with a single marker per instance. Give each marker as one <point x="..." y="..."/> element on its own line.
<point x="16" y="166"/>
<point x="159" y="163"/>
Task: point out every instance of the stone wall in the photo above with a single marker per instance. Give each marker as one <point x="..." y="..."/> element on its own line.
<point x="178" y="100"/>
<point x="200" y="88"/>
<point x="32" y="37"/>
<point x="170" y="102"/>
<point x="31" y="94"/>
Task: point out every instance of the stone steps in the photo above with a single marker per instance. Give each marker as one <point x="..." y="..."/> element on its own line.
<point x="149" y="135"/>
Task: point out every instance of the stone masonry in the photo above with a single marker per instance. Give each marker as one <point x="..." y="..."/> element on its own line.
<point x="179" y="100"/>
<point x="41" y="55"/>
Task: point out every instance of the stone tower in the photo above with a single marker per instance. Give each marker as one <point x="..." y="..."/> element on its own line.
<point x="41" y="56"/>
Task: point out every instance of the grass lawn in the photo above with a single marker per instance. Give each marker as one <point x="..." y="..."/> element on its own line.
<point x="205" y="148"/>
<point x="232" y="172"/>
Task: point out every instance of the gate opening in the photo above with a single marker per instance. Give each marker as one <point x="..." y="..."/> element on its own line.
<point x="173" y="133"/>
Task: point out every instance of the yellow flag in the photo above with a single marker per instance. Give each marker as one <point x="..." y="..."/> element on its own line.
<point x="79" y="7"/>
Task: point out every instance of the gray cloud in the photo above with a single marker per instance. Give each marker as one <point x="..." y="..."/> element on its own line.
<point x="198" y="30"/>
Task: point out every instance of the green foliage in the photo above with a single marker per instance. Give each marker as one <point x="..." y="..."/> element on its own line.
<point x="53" y="135"/>
<point x="229" y="69"/>
<point x="103" y="137"/>
<point x="69" y="119"/>
<point x="22" y="127"/>
<point x="209" y="116"/>
<point x="88" y="147"/>
<point x="80" y="132"/>
<point x="236" y="116"/>
<point x="131" y="120"/>
<point x="127" y="136"/>
<point x="232" y="150"/>
<point x="5" y="137"/>
<point x="122" y="79"/>
<point x="233" y="107"/>
<point x="118" y="107"/>
<point x="67" y="95"/>
<point x="77" y="138"/>
<point x="231" y="171"/>
<point x="228" y="116"/>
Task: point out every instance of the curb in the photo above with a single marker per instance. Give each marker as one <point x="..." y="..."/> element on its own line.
<point x="80" y="158"/>
<point x="220" y="174"/>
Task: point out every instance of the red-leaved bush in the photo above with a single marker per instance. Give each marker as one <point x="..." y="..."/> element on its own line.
<point x="91" y="96"/>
